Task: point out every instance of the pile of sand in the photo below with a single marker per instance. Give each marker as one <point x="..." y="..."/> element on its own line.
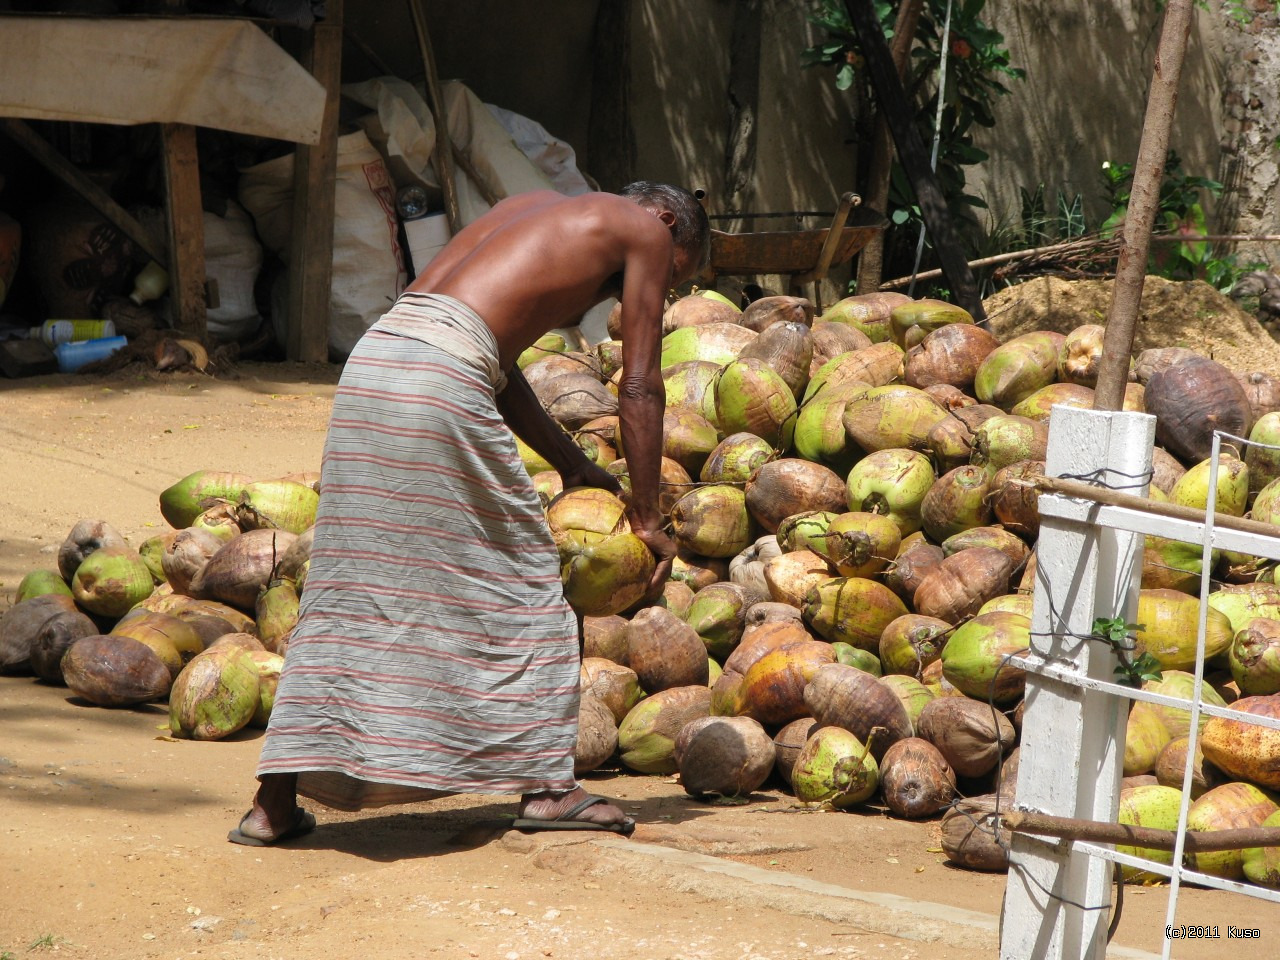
<point x="1172" y="314"/>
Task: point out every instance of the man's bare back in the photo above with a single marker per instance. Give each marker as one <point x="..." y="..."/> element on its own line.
<point x="540" y="260"/>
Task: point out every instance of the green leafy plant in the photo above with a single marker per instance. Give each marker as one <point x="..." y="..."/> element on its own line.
<point x="48" y="942"/>
<point x="1130" y="671"/>
<point x="1180" y="212"/>
<point x="976" y="63"/>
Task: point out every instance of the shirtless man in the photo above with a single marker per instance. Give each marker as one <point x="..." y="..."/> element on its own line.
<point x="434" y="652"/>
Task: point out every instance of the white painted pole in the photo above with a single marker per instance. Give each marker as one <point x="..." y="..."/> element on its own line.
<point x="1057" y="900"/>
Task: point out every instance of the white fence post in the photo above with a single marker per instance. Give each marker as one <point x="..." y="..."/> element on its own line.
<point x="1056" y="900"/>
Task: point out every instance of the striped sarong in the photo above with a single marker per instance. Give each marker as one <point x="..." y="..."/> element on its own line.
<point x="434" y="651"/>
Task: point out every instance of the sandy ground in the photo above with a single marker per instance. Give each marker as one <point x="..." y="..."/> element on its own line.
<point x="113" y="835"/>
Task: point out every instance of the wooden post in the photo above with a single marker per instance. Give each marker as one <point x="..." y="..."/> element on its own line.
<point x="1144" y="202"/>
<point x="311" y="234"/>
<point x="897" y="109"/>
<point x="871" y="261"/>
<point x="185" y="223"/>
<point x="1073" y="738"/>
<point x="611" y="136"/>
<point x="442" y="155"/>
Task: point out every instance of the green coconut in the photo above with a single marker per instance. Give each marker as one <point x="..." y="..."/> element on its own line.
<point x="893" y="416"/>
<point x="736" y="458"/>
<point x="1232" y="806"/>
<point x="892" y="482"/>
<point x="718" y="613"/>
<point x="277" y="505"/>
<point x="859" y="544"/>
<point x="607" y="576"/>
<point x="1040" y="404"/>
<point x="1173" y="565"/>
<point x="185" y="500"/>
<point x="868" y="312"/>
<point x="1080" y="353"/>
<point x="911" y="642"/>
<point x="1192" y="488"/>
<point x="215" y="695"/>
<point x="913" y="694"/>
<point x="981" y="658"/>
<point x="852" y="610"/>
<point x="41" y="583"/>
<point x="1018" y="368"/>
<point x="219" y="521"/>
<point x="83" y="539"/>
<point x="713" y="521"/>
<point x="834" y="768"/>
<point x="1261" y="865"/>
<point x="1169" y="623"/>
<point x="647" y="734"/>
<point x="1007" y="439"/>
<point x="175" y="640"/>
<point x="718" y="343"/>
<point x="544" y="346"/>
<point x="1145" y="737"/>
<point x="751" y="397"/>
<point x="111" y="580"/>
<point x="805" y="531"/>
<point x="820" y="435"/>
<point x="1266" y="505"/>
<point x="1150" y="806"/>
<point x="1180" y="684"/>
<point x="876" y="365"/>
<point x="276" y="613"/>
<point x="1254" y="658"/>
<point x="269" y="666"/>
<point x="910" y="323"/>
<point x="1263" y="463"/>
<point x="687" y="382"/>
<point x="1019" y="603"/>
<point x="852" y="656"/>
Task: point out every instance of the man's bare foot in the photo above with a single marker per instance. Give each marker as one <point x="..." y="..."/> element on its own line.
<point x="275" y="815"/>
<point x="560" y="807"/>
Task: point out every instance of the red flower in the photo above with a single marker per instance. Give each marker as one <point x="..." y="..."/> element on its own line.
<point x="960" y="48"/>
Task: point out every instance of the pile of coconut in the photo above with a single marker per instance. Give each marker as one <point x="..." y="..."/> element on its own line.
<point x="852" y="595"/>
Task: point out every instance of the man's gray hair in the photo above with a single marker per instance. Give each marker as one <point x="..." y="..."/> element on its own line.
<point x="692" y="229"/>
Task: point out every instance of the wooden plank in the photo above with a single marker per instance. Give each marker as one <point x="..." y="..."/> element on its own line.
<point x="897" y="109"/>
<point x="311" y="246"/>
<point x="1056" y="897"/>
<point x="184" y="217"/>
<point x="442" y="155"/>
<point x="34" y="144"/>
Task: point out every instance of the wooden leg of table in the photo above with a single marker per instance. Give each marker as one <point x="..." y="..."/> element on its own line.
<point x="311" y="246"/>
<point x="185" y="221"/>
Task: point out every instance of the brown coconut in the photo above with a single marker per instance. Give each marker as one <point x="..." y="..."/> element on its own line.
<point x="698" y="571"/>
<point x="241" y="568"/>
<point x="86" y="537"/>
<point x="695" y="310"/>
<point x="54" y="638"/>
<point x="186" y="554"/>
<point x="606" y="638"/>
<point x="970" y="837"/>
<point x="597" y="735"/>
<point x="769" y="611"/>
<point x="723" y="756"/>
<point x="1155" y="359"/>
<point x="911" y="567"/>
<point x="765" y="312"/>
<point x="787" y="348"/>
<point x="573" y="399"/>
<point x="772" y="690"/>
<point x="788" y="742"/>
<point x="962" y="583"/>
<point x="545" y="369"/>
<point x="844" y="696"/>
<point x="832" y="339"/>
<point x="1191" y="400"/>
<point x="1014" y="501"/>
<point x="790" y="576"/>
<point x="1246" y="750"/>
<point x="20" y="624"/>
<point x="915" y="779"/>
<point x="115" y="671"/>
<point x="949" y="355"/>
<point x="1172" y="762"/>
<point x="789" y="486"/>
<point x="970" y="734"/>
<point x="614" y="685"/>
<point x="664" y="651"/>
<point x="952" y="398"/>
<point x="1263" y="391"/>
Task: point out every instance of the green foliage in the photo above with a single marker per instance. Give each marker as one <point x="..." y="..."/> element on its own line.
<point x="1179" y="212"/>
<point x="1041" y="226"/>
<point x="976" y="64"/>
<point x="1130" y="671"/>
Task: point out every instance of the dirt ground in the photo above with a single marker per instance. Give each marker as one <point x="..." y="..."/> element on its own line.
<point x="113" y="835"/>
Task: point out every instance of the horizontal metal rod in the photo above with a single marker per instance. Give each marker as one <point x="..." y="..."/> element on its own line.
<point x="1197" y="841"/>
<point x="1087" y="491"/>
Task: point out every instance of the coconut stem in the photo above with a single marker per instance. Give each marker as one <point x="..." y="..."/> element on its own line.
<point x="1197" y="841"/>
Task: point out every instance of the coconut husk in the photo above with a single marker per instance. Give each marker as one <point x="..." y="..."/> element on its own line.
<point x="782" y="488"/>
<point x="970" y="837"/>
<point x="788" y="350"/>
<point x="972" y="735"/>
<point x="1191" y="400"/>
<point x="844" y="696"/>
<point x="20" y="625"/>
<point x="664" y="651"/>
<point x="186" y="555"/>
<point x="614" y="685"/>
<point x="605" y="637"/>
<point x="236" y="574"/>
<point x="597" y="735"/>
<point x="951" y="398"/>
<point x="54" y="638"/>
<point x="915" y="779"/>
<point x="1015" y="503"/>
<point x="723" y="756"/>
<point x="696" y="310"/>
<point x="573" y="399"/>
<point x="962" y="583"/>
<point x="948" y="356"/>
<point x="86" y="537"/>
<point x="115" y="671"/>
<point x="765" y="312"/>
<point x="830" y="340"/>
<point x="788" y="742"/>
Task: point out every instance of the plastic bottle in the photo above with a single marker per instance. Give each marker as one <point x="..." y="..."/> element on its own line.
<point x="55" y="332"/>
<point x="150" y="284"/>
<point x="72" y="356"/>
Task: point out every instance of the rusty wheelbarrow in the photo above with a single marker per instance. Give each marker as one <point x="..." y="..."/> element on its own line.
<point x="804" y="255"/>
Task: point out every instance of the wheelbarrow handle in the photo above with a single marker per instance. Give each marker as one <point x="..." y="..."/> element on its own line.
<point x="847" y="202"/>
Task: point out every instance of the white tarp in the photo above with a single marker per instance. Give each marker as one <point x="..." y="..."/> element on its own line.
<point x="215" y="72"/>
